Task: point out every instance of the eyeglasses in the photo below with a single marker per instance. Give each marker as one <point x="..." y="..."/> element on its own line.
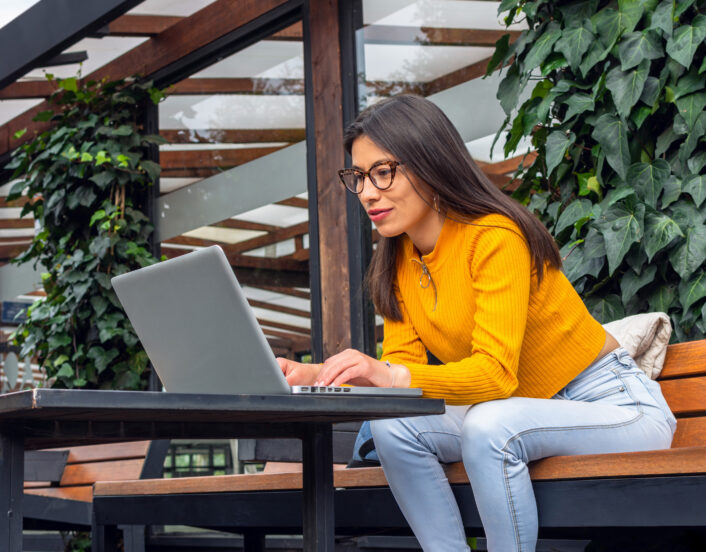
<point x="381" y="175"/>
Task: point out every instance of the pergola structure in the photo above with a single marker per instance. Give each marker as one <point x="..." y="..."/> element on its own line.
<point x="258" y="95"/>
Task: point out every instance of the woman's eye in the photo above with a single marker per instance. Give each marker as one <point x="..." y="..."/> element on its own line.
<point x="383" y="173"/>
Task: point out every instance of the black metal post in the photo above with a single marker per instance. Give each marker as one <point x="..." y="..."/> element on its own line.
<point x="150" y="117"/>
<point x="360" y="245"/>
<point x="318" y="513"/>
<point x="11" y="488"/>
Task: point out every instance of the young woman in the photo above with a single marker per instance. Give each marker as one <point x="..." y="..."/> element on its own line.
<point x="467" y="274"/>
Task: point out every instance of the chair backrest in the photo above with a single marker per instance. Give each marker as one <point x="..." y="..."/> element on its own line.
<point x="683" y="382"/>
<point x="112" y="462"/>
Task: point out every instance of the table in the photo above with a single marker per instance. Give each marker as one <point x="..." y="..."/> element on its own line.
<point x="44" y="418"/>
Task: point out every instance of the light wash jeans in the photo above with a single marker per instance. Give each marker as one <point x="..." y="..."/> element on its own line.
<point x="612" y="406"/>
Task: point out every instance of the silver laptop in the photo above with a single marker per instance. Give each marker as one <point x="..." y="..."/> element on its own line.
<point x="200" y="333"/>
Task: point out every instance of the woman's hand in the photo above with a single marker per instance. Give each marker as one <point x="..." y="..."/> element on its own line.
<point x="351" y="366"/>
<point x="298" y="373"/>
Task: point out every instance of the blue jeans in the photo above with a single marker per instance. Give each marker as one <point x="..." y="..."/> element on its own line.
<point x="612" y="406"/>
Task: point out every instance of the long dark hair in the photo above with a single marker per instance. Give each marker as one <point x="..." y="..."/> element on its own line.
<point x="418" y="134"/>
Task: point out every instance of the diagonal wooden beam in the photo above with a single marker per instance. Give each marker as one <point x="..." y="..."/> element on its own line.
<point x="279" y="308"/>
<point x="141" y="25"/>
<point x="459" y="76"/>
<point x="184" y="37"/>
<point x="246" y="225"/>
<point x="286" y="291"/>
<point x="278" y="87"/>
<point x="295" y="202"/>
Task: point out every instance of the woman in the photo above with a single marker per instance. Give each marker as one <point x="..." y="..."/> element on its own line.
<point x="466" y="273"/>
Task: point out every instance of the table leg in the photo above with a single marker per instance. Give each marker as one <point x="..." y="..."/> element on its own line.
<point x="11" y="489"/>
<point x="317" y="456"/>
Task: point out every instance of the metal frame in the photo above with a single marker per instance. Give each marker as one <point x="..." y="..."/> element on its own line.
<point x="62" y="23"/>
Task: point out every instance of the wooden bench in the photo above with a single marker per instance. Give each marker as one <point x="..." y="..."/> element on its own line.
<point x="577" y="496"/>
<point x="58" y="489"/>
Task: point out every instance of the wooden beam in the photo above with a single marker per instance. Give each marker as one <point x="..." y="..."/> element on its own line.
<point x="192" y="242"/>
<point x="436" y="36"/>
<point x="233" y="136"/>
<point x="208" y="158"/>
<point x="328" y="153"/>
<point x="278" y="308"/>
<point x="459" y="76"/>
<point x="278" y="87"/>
<point x="291" y="33"/>
<point x="508" y="165"/>
<point x="246" y="225"/>
<point x="141" y="25"/>
<point x="289" y="327"/>
<point x="20" y="202"/>
<point x="286" y="291"/>
<point x="17" y="223"/>
<point x="273" y="237"/>
<point x="188" y="35"/>
<point x="295" y="202"/>
<point x="297" y="341"/>
<point x="27" y="90"/>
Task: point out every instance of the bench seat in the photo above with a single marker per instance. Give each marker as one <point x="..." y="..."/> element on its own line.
<point x="575" y="494"/>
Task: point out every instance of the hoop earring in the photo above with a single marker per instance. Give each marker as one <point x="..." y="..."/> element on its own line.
<point x="436" y="203"/>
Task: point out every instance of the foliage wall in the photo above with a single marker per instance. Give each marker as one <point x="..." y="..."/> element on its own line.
<point x="85" y="181"/>
<point x="616" y="114"/>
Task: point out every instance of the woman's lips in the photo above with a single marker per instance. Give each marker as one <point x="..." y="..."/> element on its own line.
<point x="378" y="214"/>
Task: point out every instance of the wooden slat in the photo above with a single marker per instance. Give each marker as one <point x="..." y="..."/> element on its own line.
<point x="685" y="359"/>
<point x="470" y="72"/>
<point x="243" y="85"/>
<point x="111" y="451"/>
<point x="686" y="397"/>
<point x="186" y="159"/>
<point x="691" y="432"/>
<point x="233" y="136"/>
<point x="89" y="472"/>
<point x="681" y="461"/>
<point x="289" y="327"/>
<point x="268" y="239"/>
<point x="246" y="225"/>
<point x="295" y="202"/>
<point x="278" y="308"/>
<point x="84" y="493"/>
<point x="508" y="165"/>
<point x="27" y="90"/>
<point x="389" y="34"/>
<point x="17" y="223"/>
<point x="286" y="291"/>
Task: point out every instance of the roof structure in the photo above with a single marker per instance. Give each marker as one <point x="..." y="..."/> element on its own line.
<point x="235" y="170"/>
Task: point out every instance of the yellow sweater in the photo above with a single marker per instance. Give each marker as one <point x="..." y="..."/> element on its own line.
<point x="497" y="332"/>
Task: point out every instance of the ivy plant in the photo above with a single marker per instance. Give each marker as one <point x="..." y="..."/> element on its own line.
<point x="85" y="181"/>
<point x="616" y="116"/>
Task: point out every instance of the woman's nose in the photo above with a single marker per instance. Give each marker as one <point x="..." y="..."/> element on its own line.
<point x="369" y="192"/>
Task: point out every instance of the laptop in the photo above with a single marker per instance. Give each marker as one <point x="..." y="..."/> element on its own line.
<point x="201" y="335"/>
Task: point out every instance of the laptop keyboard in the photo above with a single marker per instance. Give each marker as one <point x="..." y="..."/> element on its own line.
<point x="323" y="389"/>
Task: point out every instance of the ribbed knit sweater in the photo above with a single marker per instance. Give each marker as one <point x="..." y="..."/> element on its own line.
<point x="497" y="332"/>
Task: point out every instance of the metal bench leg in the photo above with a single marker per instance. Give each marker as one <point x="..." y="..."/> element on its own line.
<point x="252" y="542"/>
<point x="11" y="483"/>
<point x="104" y="538"/>
<point x="133" y="538"/>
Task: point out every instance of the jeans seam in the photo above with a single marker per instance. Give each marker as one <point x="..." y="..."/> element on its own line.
<point x="506" y="454"/>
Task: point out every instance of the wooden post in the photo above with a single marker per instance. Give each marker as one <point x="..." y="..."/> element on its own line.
<point x="328" y="260"/>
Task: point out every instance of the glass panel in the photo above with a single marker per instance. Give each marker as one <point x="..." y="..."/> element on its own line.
<point x="234" y="174"/>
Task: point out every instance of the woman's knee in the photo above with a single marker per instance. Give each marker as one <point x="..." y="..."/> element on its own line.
<point x="486" y="431"/>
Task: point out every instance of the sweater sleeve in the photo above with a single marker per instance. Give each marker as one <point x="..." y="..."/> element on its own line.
<point x="500" y="268"/>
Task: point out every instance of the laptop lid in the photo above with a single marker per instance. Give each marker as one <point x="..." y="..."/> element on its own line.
<point x="197" y="327"/>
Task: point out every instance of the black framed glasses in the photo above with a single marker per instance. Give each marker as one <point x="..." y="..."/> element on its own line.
<point x="381" y="174"/>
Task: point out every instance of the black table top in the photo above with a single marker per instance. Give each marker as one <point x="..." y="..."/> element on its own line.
<point x="59" y="417"/>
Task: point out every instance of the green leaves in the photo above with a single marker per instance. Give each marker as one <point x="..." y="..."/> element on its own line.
<point x="626" y="86"/>
<point x="618" y="120"/>
<point x="611" y="133"/>
<point x="83" y="175"/>
<point x="648" y="180"/>
<point x="686" y="39"/>
<point x="621" y="226"/>
<point x="636" y="47"/>
<point x="556" y="146"/>
<point x="574" y="43"/>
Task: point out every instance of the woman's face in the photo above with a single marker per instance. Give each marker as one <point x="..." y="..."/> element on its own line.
<point x="398" y="209"/>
